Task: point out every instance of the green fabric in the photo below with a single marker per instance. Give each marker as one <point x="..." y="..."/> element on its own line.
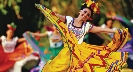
<point x="55" y="51"/>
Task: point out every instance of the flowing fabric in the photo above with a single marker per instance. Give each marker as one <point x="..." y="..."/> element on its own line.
<point x="8" y="59"/>
<point x="35" y="45"/>
<point x="84" y="57"/>
<point x="44" y="57"/>
<point x="55" y="51"/>
<point x="128" y="47"/>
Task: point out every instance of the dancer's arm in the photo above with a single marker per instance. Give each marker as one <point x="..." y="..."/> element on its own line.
<point x="56" y="40"/>
<point x="96" y="29"/>
<point x="39" y="34"/>
<point x="21" y="40"/>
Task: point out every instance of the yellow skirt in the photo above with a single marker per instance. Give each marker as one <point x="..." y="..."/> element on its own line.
<point x="90" y="58"/>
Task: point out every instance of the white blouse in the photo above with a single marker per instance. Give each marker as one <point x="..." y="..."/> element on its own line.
<point x="54" y="44"/>
<point x="9" y="46"/>
<point x="78" y="31"/>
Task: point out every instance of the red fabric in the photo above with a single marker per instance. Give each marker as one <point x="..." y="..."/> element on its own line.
<point x="5" y="63"/>
<point x="36" y="54"/>
<point x="7" y="60"/>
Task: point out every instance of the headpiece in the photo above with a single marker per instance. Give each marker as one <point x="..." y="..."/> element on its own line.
<point x="12" y="26"/>
<point x="92" y="5"/>
<point x="110" y="14"/>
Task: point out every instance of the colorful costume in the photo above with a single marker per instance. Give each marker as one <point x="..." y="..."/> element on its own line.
<point x="128" y="47"/>
<point x="17" y="53"/>
<point x="35" y="45"/>
<point x="77" y="56"/>
<point x="10" y="53"/>
<point x="55" y="47"/>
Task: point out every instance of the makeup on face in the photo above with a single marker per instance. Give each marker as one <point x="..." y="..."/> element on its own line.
<point x="85" y="14"/>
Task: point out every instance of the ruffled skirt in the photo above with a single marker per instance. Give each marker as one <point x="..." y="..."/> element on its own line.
<point x="8" y="59"/>
<point x="90" y="58"/>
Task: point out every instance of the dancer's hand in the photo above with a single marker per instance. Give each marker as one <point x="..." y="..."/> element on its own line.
<point x="33" y="34"/>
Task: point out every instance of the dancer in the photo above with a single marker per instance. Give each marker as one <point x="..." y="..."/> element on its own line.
<point x="109" y="24"/>
<point x="79" y="56"/>
<point x="56" y="43"/>
<point x="10" y="53"/>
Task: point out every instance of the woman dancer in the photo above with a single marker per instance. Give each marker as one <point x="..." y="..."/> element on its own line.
<point x="9" y="51"/>
<point x="56" y="44"/>
<point x="77" y="56"/>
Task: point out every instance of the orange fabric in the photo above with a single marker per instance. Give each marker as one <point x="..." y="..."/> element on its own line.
<point x="7" y="60"/>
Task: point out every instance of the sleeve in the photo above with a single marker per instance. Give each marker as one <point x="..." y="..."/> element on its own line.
<point x="2" y="38"/>
<point x="103" y="26"/>
<point x="15" y="39"/>
<point x="68" y="19"/>
<point x="88" y="27"/>
<point x="49" y="32"/>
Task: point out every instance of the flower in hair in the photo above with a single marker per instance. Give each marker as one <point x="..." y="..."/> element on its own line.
<point x="12" y="26"/>
<point x="93" y="6"/>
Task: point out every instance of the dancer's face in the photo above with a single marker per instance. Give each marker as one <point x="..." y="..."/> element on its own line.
<point x="10" y="33"/>
<point x="85" y="14"/>
<point x="110" y="23"/>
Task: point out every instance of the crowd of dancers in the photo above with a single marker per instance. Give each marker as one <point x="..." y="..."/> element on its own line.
<point x="70" y="48"/>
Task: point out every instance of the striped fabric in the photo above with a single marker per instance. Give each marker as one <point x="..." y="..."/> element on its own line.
<point x="35" y="45"/>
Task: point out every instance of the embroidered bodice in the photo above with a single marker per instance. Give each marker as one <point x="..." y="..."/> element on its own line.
<point x="78" y="31"/>
<point x="8" y="46"/>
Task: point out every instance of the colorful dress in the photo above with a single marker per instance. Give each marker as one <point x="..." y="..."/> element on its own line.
<point x="77" y="56"/>
<point x="128" y="47"/>
<point x="55" y="47"/>
<point x="9" y="53"/>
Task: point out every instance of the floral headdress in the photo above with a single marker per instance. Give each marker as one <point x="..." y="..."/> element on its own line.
<point x="12" y="26"/>
<point x="110" y="14"/>
<point x="92" y="5"/>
